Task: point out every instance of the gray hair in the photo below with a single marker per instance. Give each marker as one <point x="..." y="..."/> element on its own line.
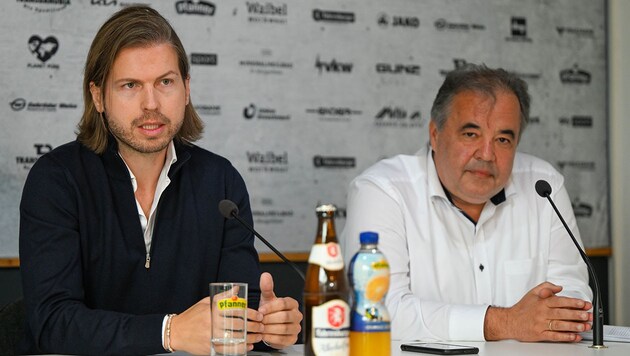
<point x="479" y="78"/>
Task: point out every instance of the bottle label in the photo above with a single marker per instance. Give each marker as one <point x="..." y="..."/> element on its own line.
<point x="327" y="255"/>
<point x="370" y="279"/>
<point x="331" y="328"/>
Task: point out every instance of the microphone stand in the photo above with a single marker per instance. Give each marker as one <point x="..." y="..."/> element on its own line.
<point x="598" y="317"/>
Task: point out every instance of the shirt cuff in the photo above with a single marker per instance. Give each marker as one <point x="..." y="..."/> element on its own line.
<point x="164" y="328"/>
<point x="466" y="322"/>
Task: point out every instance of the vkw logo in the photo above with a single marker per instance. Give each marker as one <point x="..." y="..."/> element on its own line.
<point x="575" y="75"/>
<point x="518" y="30"/>
<point x="333" y="66"/>
<point x="333" y="16"/>
<point x="189" y="7"/>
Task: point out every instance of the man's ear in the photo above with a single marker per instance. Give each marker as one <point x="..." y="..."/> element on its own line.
<point x="97" y="97"/>
<point x="433" y="133"/>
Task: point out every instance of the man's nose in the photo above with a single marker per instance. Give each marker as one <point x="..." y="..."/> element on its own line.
<point x="485" y="151"/>
<point x="149" y="99"/>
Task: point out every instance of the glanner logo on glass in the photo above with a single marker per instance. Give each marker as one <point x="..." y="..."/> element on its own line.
<point x="233" y="302"/>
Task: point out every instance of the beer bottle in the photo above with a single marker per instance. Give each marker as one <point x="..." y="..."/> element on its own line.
<point x="326" y="292"/>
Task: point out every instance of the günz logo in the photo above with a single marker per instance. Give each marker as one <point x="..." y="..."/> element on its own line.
<point x="43" y="49"/>
<point x="333" y="66"/>
<point x="412" y="69"/>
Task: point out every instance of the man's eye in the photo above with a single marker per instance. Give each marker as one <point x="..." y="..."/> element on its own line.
<point x="470" y="134"/>
<point x="504" y="140"/>
<point x="129" y="85"/>
<point x="167" y="81"/>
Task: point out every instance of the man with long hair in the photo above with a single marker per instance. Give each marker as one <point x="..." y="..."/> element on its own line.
<point x="120" y="232"/>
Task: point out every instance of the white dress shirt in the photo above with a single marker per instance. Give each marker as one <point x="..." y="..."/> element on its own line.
<point x="446" y="270"/>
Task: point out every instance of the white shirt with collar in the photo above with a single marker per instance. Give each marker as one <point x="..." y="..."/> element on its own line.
<point x="446" y="270"/>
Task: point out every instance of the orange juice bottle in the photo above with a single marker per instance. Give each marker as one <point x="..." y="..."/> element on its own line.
<point x="369" y="320"/>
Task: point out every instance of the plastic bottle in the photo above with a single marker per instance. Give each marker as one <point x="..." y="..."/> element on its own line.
<point x="326" y="292"/>
<point x="369" y="320"/>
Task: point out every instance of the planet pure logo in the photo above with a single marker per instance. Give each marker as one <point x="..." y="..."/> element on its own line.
<point x="43" y="48"/>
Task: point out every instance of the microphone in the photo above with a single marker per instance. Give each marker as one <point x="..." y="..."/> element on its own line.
<point x="544" y="190"/>
<point x="229" y="210"/>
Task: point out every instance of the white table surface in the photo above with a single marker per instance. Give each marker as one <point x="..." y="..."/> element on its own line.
<point x="501" y="348"/>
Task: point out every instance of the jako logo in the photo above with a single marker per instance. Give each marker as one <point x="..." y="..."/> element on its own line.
<point x="192" y="8"/>
<point x="398" y="21"/>
<point x="412" y="69"/>
<point x="43" y="49"/>
<point x="333" y="66"/>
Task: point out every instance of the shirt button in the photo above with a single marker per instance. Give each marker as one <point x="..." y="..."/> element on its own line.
<point x="481" y="267"/>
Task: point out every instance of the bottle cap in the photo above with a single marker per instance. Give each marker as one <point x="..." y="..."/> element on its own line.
<point x="368" y="238"/>
<point x="326" y="208"/>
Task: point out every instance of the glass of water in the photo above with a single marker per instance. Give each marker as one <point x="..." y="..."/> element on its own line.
<point x="228" y="307"/>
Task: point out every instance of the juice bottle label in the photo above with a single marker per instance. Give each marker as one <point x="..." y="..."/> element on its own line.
<point x="327" y="255"/>
<point x="331" y="328"/>
<point x="371" y="281"/>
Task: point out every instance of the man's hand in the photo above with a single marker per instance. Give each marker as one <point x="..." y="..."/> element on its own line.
<point x="540" y="316"/>
<point x="282" y="317"/>
<point x="191" y="330"/>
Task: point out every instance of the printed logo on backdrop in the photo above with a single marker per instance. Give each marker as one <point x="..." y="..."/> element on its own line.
<point x="270" y="215"/>
<point x="579" y="121"/>
<point x="24" y="163"/>
<point x="533" y="120"/>
<point x="208" y="110"/>
<point x="45" y="5"/>
<point x="266" y="65"/>
<point x="43" y="49"/>
<point x="588" y="166"/>
<point x="189" y="7"/>
<point x="20" y="104"/>
<point x="268" y="12"/>
<point x="384" y="21"/>
<point x="267" y="162"/>
<point x="253" y="112"/>
<point x="581" y="209"/>
<point x="104" y="2"/>
<point x="333" y="16"/>
<point x="575" y="31"/>
<point x="457" y="63"/>
<point x="397" y="68"/>
<point x="334" y="113"/>
<point x="332" y="66"/>
<point x="444" y="25"/>
<point x="398" y="117"/>
<point x="335" y="162"/>
<point x="204" y="59"/>
<point x="518" y="30"/>
<point x="575" y="75"/>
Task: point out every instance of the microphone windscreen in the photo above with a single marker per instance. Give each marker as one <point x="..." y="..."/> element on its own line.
<point x="543" y="188"/>
<point x="227" y="208"/>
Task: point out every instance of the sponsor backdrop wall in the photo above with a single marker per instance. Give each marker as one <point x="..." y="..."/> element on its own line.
<point x="304" y="95"/>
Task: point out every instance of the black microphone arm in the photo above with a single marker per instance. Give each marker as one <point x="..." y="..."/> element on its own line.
<point x="544" y="190"/>
<point x="229" y="210"/>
